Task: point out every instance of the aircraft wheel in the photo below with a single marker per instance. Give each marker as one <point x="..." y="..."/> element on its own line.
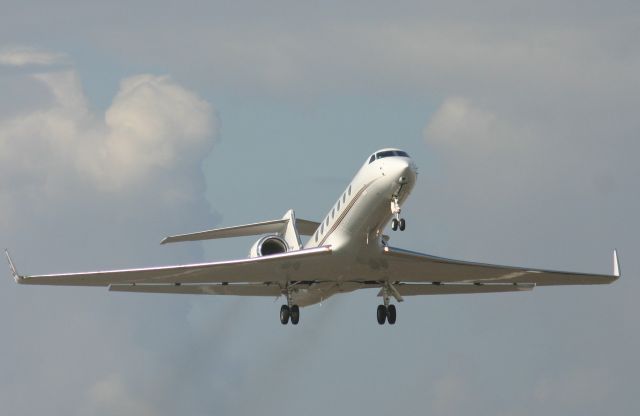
<point x="402" y="224"/>
<point x="381" y="314"/>
<point x="394" y="224"/>
<point x="284" y="314"/>
<point x="391" y="314"/>
<point x="295" y="314"/>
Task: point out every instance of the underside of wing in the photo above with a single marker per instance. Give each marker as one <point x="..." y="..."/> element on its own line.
<point x="294" y="265"/>
<point x="414" y="289"/>
<point x="409" y="266"/>
<point x="303" y="293"/>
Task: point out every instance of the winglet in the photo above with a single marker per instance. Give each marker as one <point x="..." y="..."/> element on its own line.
<point x="14" y="272"/>
<point x="616" y="264"/>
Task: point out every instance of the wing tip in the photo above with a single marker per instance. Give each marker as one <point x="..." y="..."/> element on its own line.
<point x="12" y="267"/>
<point x="616" y="264"/>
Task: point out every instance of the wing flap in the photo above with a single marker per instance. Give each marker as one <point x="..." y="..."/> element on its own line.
<point x="414" y="289"/>
<point x="248" y="289"/>
<point x="408" y="266"/>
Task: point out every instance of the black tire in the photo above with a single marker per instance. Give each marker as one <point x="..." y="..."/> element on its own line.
<point x="284" y="314"/>
<point x="381" y="314"/>
<point x="402" y="224"/>
<point x="394" y="224"/>
<point x="391" y="314"/>
<point x="295" y="314"/>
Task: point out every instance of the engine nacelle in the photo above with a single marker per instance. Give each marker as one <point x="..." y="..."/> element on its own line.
<point x="269" y="245"/>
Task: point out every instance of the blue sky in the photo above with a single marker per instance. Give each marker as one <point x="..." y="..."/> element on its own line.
<point x="123" y="122"/>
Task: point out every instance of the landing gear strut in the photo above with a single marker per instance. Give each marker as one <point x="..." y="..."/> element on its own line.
<point x="396" y="222"/>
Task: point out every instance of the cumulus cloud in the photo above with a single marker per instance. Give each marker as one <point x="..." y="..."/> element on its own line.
<point x="23" y="56"/>
<point x="459" y="123"/>
<point x="152" y="126"/>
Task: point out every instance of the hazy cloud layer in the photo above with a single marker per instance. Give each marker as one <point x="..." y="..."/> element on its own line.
<point x="23" y="56"/>
<point x="528" y="158"/>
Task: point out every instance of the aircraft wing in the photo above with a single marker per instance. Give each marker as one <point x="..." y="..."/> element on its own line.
<point x="408" y="266"/>
<point x="275" y="268"/>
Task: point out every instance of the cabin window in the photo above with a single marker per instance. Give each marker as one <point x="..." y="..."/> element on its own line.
<point x="344" y="196"/>
<point x="349" y="190"/>
<point x="327" y="221"/>
<point x="322" y="229"/>
<point x="338" y="205"/>
<point x="333" y="213"/>
<point x="316" y="236"/>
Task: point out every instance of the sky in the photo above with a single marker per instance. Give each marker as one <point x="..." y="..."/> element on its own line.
<point x="124" y="122"/>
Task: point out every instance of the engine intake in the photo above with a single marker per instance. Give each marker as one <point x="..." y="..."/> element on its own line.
<point x="269" y="245"/>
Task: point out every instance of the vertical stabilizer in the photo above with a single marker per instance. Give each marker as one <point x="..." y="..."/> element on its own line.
<point x="290" y="234"/>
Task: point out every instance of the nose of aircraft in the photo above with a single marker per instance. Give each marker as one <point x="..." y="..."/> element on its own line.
<point x="404" y="169"/>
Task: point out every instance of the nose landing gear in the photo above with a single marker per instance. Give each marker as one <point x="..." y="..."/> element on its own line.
<point x="396" y="222"/>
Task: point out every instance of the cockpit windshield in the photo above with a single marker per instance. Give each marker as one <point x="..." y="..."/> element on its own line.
<point x="387" y="153"/>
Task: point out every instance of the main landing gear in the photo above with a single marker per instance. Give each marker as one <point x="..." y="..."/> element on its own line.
<point x="289" y="311"/>
<point x="396" y="222"/>
<point x="386" y="311"/>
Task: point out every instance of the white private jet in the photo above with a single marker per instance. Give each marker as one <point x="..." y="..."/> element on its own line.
<point x="346" y="251"/>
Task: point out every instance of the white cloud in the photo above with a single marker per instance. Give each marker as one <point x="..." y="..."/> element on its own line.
<point x="23" y="56"/>
<point x="83" y="189"/>
<point x="449" y="394"/>
<point x="153" y="124"/>
<point x="574" y="389"/>
<point x="111" y="396"/>
<point x="458" y="123"/>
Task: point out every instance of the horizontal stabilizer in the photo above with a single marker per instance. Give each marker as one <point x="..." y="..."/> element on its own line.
<point x="305" y="227"/>
<point x="264" y="227"/>
<point x="454" y="288"/>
